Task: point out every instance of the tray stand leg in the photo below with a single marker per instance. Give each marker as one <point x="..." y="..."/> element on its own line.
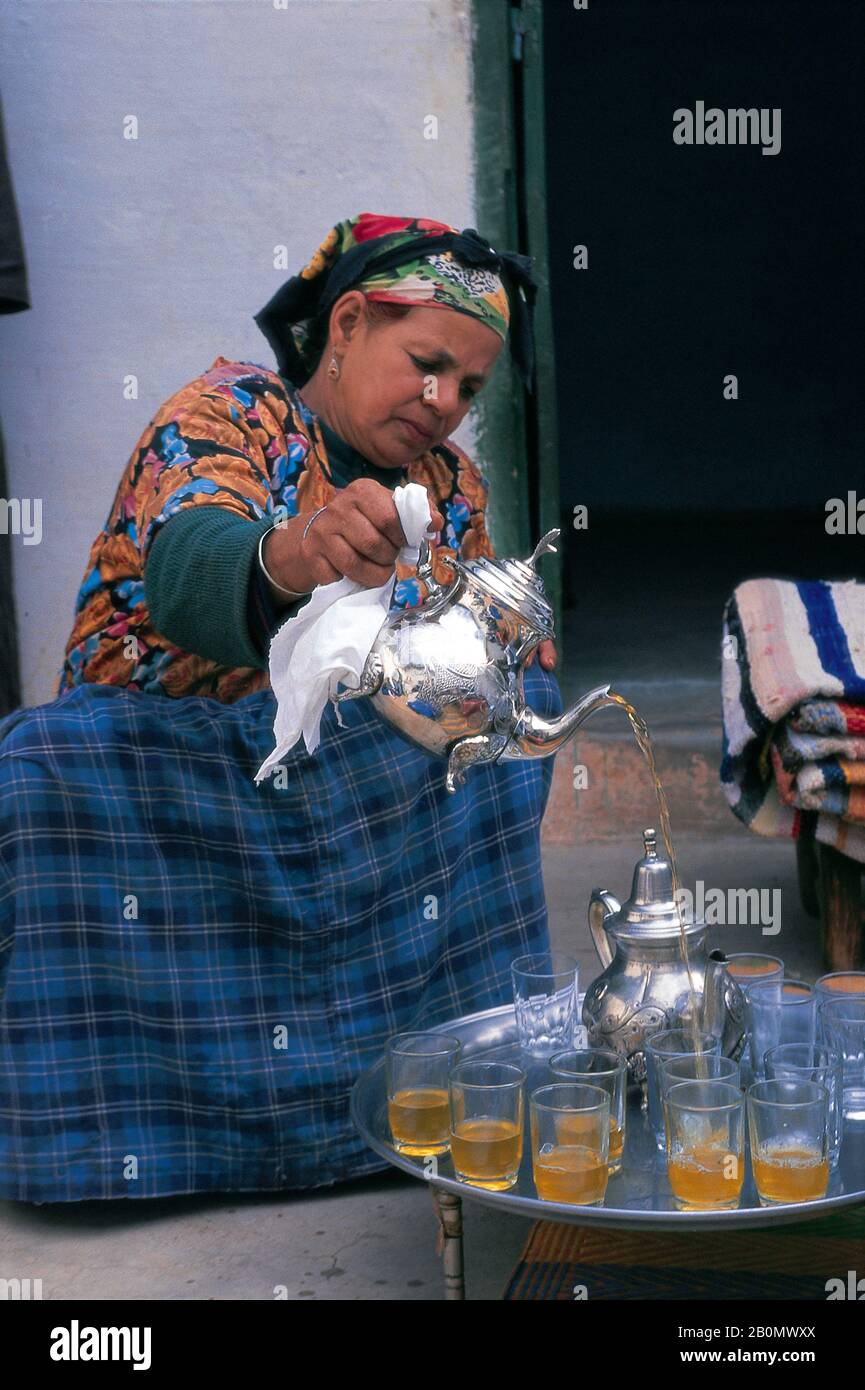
<point x="449" y="1210"/>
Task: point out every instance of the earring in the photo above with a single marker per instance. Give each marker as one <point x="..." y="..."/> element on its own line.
<point x="333" y="369"/>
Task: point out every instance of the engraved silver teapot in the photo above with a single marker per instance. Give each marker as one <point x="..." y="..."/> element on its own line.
<point x="644" y="986"/>
<point x="448" y="674"/>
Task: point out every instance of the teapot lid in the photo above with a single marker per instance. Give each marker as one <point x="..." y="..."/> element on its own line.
<point x="651" y="909"/>
<point x="516" y="584"/>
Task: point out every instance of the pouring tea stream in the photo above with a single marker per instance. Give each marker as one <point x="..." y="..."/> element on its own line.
<point x="447" y="675"/>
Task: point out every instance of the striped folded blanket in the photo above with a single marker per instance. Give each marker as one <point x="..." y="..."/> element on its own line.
<point x="793" y="697"/>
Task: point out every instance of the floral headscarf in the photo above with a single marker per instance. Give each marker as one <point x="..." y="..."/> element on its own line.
<point x="405" y="260"/>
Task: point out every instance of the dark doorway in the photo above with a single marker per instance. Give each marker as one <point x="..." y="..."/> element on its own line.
<point x="706" y="260"/>
<point x="703" y="261"/>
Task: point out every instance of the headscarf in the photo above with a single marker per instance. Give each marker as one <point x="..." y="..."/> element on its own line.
<point x="405" y="260"/>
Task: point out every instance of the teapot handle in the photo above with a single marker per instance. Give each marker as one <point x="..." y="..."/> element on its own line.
<point x="424" y="566"/>
<point x="601" y="906"/>
<point x="438" y="596"/>
<point x="425" y="570"/>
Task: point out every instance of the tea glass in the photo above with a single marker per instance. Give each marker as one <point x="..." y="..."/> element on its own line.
<point x="840" y="983"/>
<point x="570" y="1128"/>
<point x="706" y="1147"/>
<point x="600" y="1066"/>
<point x="545" y="998"/>
<point x="417" y="1067"/>
<point x="788" y="1126"/>
<point x="842" y="1024"/>
<point x="747" y="967"/>
<point x="708" y="1067"/>
<point x="814" y="1062"/>
<point x="670" y="1042"/>
<point x="486" y="1123"/>
<point x="779" y="1011"/>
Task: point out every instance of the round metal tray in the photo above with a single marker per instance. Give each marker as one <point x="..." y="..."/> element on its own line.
<point x="637" y="1197"/>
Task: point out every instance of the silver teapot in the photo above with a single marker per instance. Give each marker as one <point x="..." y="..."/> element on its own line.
<point x="448" y="674"/>
<point x="644" y="986"/>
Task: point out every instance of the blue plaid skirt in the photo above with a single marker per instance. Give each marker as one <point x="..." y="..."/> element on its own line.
<point x="195" y="969"/>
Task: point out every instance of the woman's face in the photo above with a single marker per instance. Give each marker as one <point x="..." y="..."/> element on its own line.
<point x="422" y="370"/>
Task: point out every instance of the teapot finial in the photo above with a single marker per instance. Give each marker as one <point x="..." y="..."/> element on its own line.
<point x="545" y="546"/>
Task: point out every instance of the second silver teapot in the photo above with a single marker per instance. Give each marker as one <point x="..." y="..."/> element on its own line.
<point x="448" y="674"/>
<point x="644" y="986"/>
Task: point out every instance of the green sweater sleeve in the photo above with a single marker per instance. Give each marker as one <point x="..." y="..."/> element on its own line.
<point x="196" y="583"/>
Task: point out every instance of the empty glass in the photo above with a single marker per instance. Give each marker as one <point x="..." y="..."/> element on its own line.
<point x="486" y="1130"/>
<point x="417" y="1067"/>
<point x="838" y="985"/>
<point x="779" y="1011"/>
<point x="570" y="1125"/>
<point x="788" y="1126"/>
<point x="545" y="997"/>
<point x="670" y="1042"/>
<point x="813" y="1062"/>
<point x="746" y="968"/>
<point x="600" y="1066"/>
<point x="842" y="1022"/>
<point x="706" y="1149"/>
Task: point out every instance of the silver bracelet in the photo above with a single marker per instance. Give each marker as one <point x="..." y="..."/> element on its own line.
<point x="291" y="593"/>
<point x="311" y="520"/>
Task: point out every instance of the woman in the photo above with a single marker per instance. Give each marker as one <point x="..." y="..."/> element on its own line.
<point x="192" y="613"/>
<point x="194" y="968"/>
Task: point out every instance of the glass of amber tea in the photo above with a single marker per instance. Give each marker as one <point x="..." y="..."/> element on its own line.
<point x="706" y="1144"/>
<point x="747" y="967"/>
<point x="486" y="1123"/>
<point x="570" y="1125"/>
<point x="599" y="1066"/>
<point x="418" y="1067"/>
<point x="788" y="1124"/>
<point x="840" y="982"/>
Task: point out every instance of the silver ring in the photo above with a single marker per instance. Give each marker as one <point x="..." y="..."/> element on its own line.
<point x="311" y="520"/>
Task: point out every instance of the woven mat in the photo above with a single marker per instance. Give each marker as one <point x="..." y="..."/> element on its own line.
<point x="774" y="1263"/>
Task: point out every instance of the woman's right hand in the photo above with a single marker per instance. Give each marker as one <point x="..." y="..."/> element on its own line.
<point x="358" y="536"/>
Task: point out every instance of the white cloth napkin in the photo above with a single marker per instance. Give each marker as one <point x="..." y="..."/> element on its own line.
<point x="329" y="640"/>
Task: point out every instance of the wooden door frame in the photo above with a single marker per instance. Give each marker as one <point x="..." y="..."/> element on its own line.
<point x="517" y="430"/>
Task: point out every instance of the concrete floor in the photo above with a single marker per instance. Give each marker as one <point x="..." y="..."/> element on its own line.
<point x="370" y="1240"/>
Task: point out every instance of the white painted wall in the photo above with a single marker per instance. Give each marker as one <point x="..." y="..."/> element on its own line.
<point x="258" y="126"/>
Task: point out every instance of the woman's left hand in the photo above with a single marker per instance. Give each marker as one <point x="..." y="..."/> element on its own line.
<point x="548" y="655"/>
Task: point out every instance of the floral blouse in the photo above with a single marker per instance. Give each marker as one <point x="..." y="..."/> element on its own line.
<point x="240" y="437"/>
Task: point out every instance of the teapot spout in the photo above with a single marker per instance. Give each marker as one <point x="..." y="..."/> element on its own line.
<point x="714" y="980"/>
<point x="536" y="737"/>
<point x="723" y="1006"/>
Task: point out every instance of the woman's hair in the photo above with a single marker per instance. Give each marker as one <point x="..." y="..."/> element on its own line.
<point x="316" y="340"/>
